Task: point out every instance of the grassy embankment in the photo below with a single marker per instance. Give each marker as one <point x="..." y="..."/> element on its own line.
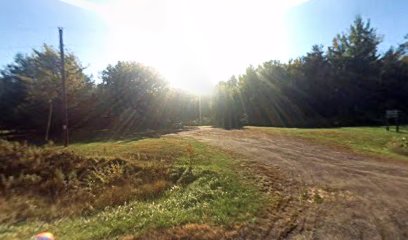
<point x="368" y="140"/>
<point x="168" y="182"/>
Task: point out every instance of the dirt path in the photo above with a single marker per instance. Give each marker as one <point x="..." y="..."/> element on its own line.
<point x="330" y="193"/>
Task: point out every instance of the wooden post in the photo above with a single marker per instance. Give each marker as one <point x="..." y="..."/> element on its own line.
<point x="47" y="133"/>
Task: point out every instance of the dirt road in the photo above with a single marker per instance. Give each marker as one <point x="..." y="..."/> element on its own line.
<point x="330" y="193"/>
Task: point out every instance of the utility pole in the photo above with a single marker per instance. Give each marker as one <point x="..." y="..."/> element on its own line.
<point x="64" y="93"/>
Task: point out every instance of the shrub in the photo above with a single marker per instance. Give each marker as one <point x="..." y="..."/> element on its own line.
<point x="34" y="178"/>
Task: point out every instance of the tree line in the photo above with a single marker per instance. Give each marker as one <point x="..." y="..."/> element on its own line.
<point x="348" y="83"/>
<point x="130" y="97"/>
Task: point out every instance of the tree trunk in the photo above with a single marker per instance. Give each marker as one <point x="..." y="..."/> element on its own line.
<point x="47" y="132"/>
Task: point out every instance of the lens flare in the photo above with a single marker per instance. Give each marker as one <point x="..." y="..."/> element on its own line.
<point x="44" y="236"/>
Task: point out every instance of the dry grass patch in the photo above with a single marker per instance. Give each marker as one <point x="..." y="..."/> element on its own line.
<point x="35" y="180"/>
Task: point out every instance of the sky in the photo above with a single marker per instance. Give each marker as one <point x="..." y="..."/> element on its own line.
<point x="193" y="44"/>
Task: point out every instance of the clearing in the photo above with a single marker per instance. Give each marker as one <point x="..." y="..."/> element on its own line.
<point x="208" y="183"/>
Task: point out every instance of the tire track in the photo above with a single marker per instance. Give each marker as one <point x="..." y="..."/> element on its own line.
<point x="346" y="195"/>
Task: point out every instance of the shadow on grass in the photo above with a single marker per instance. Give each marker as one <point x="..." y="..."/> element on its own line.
<point x="107" y="135"/>
<point x="28" y="136"/>
<point x="88" y="136"/>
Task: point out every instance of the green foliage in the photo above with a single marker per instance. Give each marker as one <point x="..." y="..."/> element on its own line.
<point x="32" y="82"/>
<point x="131" y="90"/>
<point x="135" y="97"/>
<point x="131" y="97"/>
<point x="228" y="105"/>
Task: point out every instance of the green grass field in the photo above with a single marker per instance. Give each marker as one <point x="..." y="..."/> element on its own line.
<point x="212" y="193"/>
<point x="368" y="140"/>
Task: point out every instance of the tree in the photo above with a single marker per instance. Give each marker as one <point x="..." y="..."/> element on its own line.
<point x="394" y="78"/>
<point x="355" y="65"/>
<point x="133" y="96"/>
<point x="35" y="81"/>
<point x="229" y="112"/>
<point x="349" y="84"/>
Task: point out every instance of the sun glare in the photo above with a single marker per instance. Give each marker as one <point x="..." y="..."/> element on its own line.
<point x="195" y="44"/>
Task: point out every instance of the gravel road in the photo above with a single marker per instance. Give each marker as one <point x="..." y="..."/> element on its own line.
<point x="329" y="192"/>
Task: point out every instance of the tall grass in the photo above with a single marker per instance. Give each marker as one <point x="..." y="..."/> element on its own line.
<point x="60" y="182"/>
<point x="180" y="182"/>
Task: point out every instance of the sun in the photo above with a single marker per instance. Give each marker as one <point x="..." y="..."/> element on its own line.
<point x="195" y="44"/>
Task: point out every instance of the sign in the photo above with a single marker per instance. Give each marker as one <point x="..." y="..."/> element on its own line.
<point x="394" y="116"/>
<point x="391" y="113"/>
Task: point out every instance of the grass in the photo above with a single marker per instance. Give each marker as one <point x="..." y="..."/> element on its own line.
<point x="368" y="140"/>
<point x="207" y="190"/>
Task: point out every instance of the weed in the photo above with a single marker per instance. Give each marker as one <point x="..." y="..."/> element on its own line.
<point x="202" y="192"/>
<point x="33" y="179"/>
<point x="399" y="145"/>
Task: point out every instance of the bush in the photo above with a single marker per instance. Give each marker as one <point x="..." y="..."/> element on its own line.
<point x="34" y="178"/>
